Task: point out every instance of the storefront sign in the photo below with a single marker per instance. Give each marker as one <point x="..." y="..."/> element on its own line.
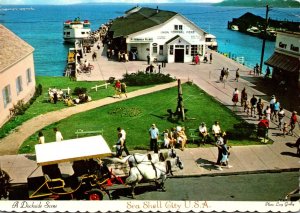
<point x="290" y="47"/>
<point x="141" y="39"/>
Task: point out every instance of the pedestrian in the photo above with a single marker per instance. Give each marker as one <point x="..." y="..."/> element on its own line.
<point x="226" y="73"/>
<point x="119" y="146"/>
<point x="276" y="110"/>
<point x="41" y="138"/>
<point x="148" y="59"/>
<point x="118" y="88"/>
<point x="216" y="130"/>
<point x="225" y="152"/>
<point x="268" y="113"/>
<point x="293" y="121"/>
<point x="203" y="133"/>
<point x="272" y="102"/>
<point x="268" y="72"/>
<point x="281" y="115"/>
<point x="58" y="135"/>
<point x="154" y="133"/>
<point x="260" y="107"/>
<point x="237" y="75"/>
<point x="55" y="97"/>
<point x="223" y="72"/>
<point x="244" y="98"/>
<point x="123" y="140"/>
<point x="196" y="59"/>
<point x="235" y="98"/>
<point x="219" y="144"/>
<point x="124" y="89"/>
<point x="94" y="56"/>
<point x="78" y="57"/>
<point x="205" y="58"/>
<point x="210" y="58"/>
<point x="253" y="102"/>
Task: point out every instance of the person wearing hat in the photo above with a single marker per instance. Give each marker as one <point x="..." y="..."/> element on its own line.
<point x="272" y="102"/>
<point x="203" y="132"/>
<point x="154" y="133"/>
<point x="293" y="121"/>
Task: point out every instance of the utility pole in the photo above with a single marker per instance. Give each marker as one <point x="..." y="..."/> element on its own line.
<point x="264" y="39"/>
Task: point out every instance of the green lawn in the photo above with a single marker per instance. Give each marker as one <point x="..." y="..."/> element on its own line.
<point x="41" y="106"/>
<point x="137" y="114"/>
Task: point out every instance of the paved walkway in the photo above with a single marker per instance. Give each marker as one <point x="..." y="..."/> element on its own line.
<point x="280" y="156"/>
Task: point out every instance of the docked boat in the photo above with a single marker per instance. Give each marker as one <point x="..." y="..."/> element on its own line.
<point x="253" y="30"/>
<point x="234" y="27"/>
<point x="211" y="42"/>
<point x="76" y="30"/>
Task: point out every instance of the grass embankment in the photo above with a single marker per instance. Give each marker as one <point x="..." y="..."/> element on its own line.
<point x="41" y="105"/>
<point x="137" y="114"/>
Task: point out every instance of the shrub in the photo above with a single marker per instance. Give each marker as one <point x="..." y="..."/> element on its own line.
<point x="111" y="80"/>
<point x="79" y="90"/>
<point x="242" y="131"/>
<point x="140" y="78"/>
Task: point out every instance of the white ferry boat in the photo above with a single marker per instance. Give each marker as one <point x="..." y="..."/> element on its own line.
<point x="76" y="30"/>
<point x="211" y="42"/>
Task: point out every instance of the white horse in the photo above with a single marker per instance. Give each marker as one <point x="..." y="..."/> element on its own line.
<point x="152" y="172"/>
<point x="137" y="158"/>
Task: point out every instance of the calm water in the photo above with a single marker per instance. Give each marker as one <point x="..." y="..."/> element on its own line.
<point x="42" y="28"/>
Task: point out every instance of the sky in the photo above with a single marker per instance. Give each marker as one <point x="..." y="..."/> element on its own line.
<point x="55" y="2"/>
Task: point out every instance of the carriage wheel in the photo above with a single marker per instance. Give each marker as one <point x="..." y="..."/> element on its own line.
<point x="95" y="194"/>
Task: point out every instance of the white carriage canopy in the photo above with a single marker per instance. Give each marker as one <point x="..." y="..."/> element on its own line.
<point x="72" y="150"/>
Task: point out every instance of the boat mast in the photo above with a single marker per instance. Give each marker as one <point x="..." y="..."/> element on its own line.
<point x="264" y="38"/>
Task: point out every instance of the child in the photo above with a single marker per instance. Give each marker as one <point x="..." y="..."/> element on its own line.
<point x="247" y="108"/>
<point x="285" y="129"/>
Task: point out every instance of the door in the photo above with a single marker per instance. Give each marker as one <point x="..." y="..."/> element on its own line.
<point x="179" y="55"/>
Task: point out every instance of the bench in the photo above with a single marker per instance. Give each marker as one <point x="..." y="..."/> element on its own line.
<point x="194" y="135"/>
<point x="102" y="85"/>
<point x="82" y="132"/>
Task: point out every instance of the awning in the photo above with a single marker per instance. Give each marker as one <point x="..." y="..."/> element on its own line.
<point x="284" y="62"/>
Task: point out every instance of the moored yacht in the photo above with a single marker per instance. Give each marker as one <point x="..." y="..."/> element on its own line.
<point x="76" y="30"/>
<point x="211" y="42"/>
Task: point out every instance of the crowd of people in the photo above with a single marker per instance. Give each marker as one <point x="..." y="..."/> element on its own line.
<point x="273" y="112"/>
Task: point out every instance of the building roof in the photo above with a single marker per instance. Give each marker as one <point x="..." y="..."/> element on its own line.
<point x="284" y="62"/>
<point x="142" y="19"/>
<point x="13" y="48"/>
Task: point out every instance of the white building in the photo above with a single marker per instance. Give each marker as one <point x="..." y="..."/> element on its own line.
<point x="285" y="60"/>
<point x="164" y="35"/>
<point x="17" y="76"/>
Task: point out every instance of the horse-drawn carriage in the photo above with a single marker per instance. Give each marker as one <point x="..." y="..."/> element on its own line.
<point x="81" y="155"/>
<point x="89" y="171"/>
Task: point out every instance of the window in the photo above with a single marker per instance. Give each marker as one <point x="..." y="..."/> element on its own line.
<point x="6" y="95"/>
<point x="154" y="50"/>
<point x="177" y="27"/>
<point x="19" y="84"/>
<point x="194" y="50"/>
<point x="171" y="49"/>
<point x="28" y="74"/>
<point x="161" y="49"/>
<point x="187" y="49"/>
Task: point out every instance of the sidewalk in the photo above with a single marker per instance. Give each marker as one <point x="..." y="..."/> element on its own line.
<point x="280" y="156"/>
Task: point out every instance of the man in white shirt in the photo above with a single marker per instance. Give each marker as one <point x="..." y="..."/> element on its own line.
<point x="216" y="130"/>
<point x="203" y="132"/>
<point x="58" y="135"/>
<point x="122" y="131"/>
